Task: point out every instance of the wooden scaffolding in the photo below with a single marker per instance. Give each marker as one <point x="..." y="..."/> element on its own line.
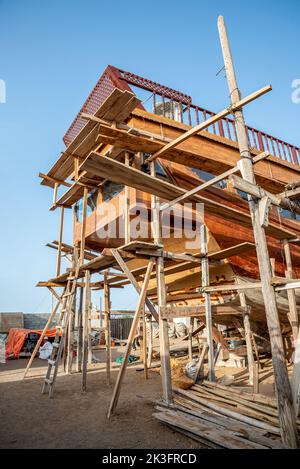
<point x="90" y="168"/>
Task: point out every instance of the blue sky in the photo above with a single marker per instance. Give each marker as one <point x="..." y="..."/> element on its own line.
<point x="52" y="53"/>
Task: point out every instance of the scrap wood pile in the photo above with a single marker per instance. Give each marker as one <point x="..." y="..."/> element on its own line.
<point x="219" y="417"/>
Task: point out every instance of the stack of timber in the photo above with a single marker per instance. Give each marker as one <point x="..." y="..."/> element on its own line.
<point x="219" y="417"/>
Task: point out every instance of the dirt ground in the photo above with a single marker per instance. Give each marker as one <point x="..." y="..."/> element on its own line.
<point x="72" y="419"/>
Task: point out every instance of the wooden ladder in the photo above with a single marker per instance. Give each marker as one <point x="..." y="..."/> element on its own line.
<point x="61" y="333"/>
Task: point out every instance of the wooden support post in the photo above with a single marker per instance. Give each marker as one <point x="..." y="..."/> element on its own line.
<point x="247" y="329"/>
<point x="70" y="338"/>
<point x="36" y="348"/>
<point x="150" y="342"/>
<point x="76" y="167"/>
<point x="145" y="345"/>
<point x="162" y="301"/>
<point x="255" y="378"/>
<point x="127" y="205"/>
<point x="107" y="325"/>
<point x="286" y="413"/>
<point x="83" y="225"/>
<point x="90" y="350"/>
<point x="79" y="331"/>
<point x="135" y="321"/>
<point x="191" y="329"/>
<point x="69" y="347"/>
<point x="293" y="314"/>
<point x="55" y="193"/>
<point x="61" y="227"/>
<point x="208" y="315"/>
<point x="85" y="330"/>
<point x="296" y="377"/>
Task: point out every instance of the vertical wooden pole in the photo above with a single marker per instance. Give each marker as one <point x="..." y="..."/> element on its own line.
<point x="79" y="331"/>
<point x="150" y="342"/>
<point x="293" y="314"/>
<point x="135" y="321"/>
<point x="127" y="205"/>
<point x="83" y="225"/>
<point x="69" y="344"/>
<point x="85" y="331"/>
<point x="162" y="301"/>
<point x="145" y="344"/>
<point x="287" y="418"/>
<point x="296" y="377"/>
<point x="55" y="193"/>
<point x="247" y="329"/>
<point x="61" y="227"/>
<point x="191" y="328"/>
<point x="255" y="378"/>
<point x="107" y="326"/>
<point x="208" y="315"/>
<point x="90" y="351"/>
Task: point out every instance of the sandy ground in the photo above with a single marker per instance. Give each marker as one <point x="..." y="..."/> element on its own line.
<point x="72" y="419"/>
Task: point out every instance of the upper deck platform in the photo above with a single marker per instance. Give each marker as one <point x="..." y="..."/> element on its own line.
<point x="175" y="105"/>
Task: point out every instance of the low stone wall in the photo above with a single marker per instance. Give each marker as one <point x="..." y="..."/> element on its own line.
<point x="36" y="320"/>
<point x="10" y="320"/>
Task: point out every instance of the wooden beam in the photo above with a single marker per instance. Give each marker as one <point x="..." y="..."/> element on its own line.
<point x="212" y="120"/>
<point x="291" y="194"/>
<point x="211" y="182"/>
<point x="259" y="192"/>
<point x="170" y="311"/>
<point x="134" y="324"/>
<point x="54" y="180"/>
<point x="232" y="287"/>
<point x="235" y="250"/>
<point x="133" y="281"/>
<point x="286" y="413"/>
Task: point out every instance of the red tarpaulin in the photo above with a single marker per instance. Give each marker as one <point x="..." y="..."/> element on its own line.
<point x="16" y="339"/>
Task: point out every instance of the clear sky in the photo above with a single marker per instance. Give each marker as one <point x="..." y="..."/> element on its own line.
<point x="52" y="54"/>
